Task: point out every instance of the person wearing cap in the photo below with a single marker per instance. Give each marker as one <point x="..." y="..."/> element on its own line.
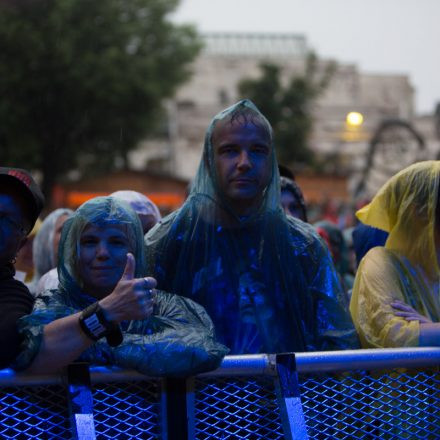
<point x="21" y="202"/>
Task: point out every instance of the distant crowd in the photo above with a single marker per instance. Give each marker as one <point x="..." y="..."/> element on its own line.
<point x="236" y="269"/>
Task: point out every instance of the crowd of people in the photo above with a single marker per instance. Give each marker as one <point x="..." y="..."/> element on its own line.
<point x="237" y="269"/>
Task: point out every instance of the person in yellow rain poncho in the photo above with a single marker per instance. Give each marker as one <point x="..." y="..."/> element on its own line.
<point x="395" y="300"/>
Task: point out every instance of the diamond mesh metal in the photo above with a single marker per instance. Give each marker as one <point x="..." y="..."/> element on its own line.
<point x="34" y="413"/>
<point x="236" y="408"/>
<point x="392" y="405"/>
<point x="127" y="410"/>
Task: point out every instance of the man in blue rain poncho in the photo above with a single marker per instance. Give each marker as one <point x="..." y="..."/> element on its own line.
<point x="103" y="311"/>
<point x="265" y="279"/>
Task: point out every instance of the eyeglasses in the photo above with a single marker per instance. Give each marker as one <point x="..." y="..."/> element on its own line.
<point x="12" y="223"/>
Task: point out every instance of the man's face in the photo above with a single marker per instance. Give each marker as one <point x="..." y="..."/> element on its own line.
<point x="243" y="162"/>
<point x="12" y="227"/>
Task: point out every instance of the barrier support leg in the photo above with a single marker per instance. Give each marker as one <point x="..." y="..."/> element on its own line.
<point x="79" y="396"/>
<point x="179" y="408"/>
<point x="289" y="399"/>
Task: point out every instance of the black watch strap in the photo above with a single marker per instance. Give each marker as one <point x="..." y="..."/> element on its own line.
<point x="95" y="325"/>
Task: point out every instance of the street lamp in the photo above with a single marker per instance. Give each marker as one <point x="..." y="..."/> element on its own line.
<point x="354" y="119"/>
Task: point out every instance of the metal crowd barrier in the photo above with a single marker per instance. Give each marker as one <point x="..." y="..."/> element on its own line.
<point x="368" y="394"/>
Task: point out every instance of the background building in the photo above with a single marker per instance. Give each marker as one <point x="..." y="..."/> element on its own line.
<point x="228" y="58"/>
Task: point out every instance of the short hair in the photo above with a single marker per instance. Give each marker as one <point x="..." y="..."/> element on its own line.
<point x="245" y="115"/>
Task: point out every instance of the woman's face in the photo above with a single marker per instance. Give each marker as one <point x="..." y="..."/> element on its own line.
<point x="102" y="258"/>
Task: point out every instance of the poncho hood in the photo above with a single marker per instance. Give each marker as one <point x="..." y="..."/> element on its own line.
<point x="99" y="211"/>
<point x="405" y="207"/>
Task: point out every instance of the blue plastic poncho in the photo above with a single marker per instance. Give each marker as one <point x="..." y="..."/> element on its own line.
<point x="177" y="340"/>
<point x="266" y="280"/>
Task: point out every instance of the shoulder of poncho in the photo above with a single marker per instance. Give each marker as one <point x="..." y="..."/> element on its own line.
<point x="161" y="229"/>
<point x="302" y="234"/>
<point x="381" y="253"/>
<point x="51" y="298"/>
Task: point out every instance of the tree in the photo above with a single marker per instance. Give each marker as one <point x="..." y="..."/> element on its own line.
<point x="82" y="81"/>
<point x="289" y="108"/>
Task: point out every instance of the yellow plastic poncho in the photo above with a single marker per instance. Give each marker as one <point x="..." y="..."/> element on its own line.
<point x="407" y="268"/>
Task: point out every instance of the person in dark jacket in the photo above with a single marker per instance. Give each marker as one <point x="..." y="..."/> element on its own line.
<point x="21" y="202"/>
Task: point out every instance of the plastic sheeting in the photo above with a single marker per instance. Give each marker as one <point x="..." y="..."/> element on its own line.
<point x="42" y="247"/>
<point x="266" y="280"/>
<point x="139" y="202"/>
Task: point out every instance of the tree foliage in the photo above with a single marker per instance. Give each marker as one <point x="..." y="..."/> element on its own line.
<point x="289" y="108"/>
<point x="82" y="81"/>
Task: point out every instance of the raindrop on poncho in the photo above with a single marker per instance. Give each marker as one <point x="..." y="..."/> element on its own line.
<point x="266" y="279"/>
<point x="407" y="268"/>
<point x="177" y="340"/>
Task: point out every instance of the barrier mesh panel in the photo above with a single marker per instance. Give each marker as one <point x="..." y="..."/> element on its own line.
<point x="236" y="408"/>
<point x="127" y="410"/>
<point x="392" y="405"/>
<point x="34" y="413"/>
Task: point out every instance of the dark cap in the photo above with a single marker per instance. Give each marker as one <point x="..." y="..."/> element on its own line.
<point x="32" y="192"/>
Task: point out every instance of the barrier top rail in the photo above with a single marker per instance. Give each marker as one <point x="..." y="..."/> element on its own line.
<point x="263" y="364"/>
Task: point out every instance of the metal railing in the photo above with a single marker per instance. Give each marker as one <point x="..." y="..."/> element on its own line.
<point x="383" y="394"/>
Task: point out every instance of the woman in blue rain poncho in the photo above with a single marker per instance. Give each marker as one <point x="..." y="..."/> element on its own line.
<point x="265" y="279"/>
<point x="395" y="300"/>
<point x="103" y="311"/>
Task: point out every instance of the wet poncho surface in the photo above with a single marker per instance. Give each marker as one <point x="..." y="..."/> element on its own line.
<point x="42" y="247"/>
<point x="406" y="269"/>
<point x="266" y="280"/>
<point x="140" y="203"/>
<point x="177" y="340"/>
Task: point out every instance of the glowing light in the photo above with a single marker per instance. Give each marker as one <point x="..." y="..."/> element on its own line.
<point x="354" y="119"/>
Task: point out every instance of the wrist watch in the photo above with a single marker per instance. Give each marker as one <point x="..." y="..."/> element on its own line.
<point x="94" y="323"/>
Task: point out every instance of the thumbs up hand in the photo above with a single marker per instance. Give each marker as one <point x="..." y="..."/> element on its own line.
<point x="132" y="298"/>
